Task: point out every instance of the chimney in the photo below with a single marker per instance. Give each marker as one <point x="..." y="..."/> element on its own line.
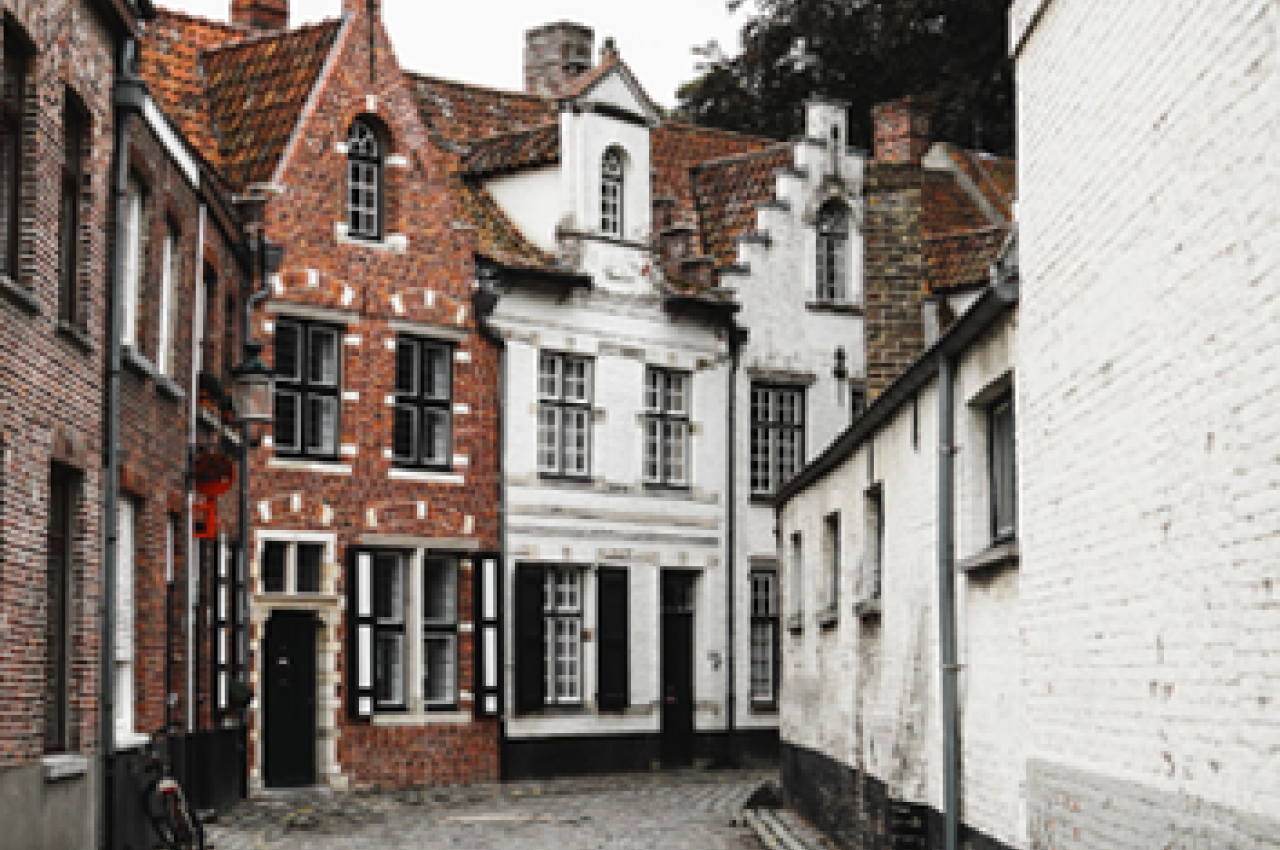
<point x="609" y="51"/>
<point x="901" y="129"/>
<point x="555" y="55"/>
<point x="260" y="15"/>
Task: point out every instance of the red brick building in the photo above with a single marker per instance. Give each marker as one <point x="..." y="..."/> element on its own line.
<point x="375" y="499"/>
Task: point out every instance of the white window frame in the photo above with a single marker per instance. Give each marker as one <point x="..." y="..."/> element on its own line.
<point x="123" y="667"/>
<point x="562" y="628"/>
<point x="291" y="540"/>
<point x="131" y="289"/>
<point x="831" y="561"/>
<point x="777" y="439"/>
<point x="832" y="252"/>
<point x="763" y="687"/>
<point x="795" y="579"/>
<point x="564" y="411"/>
<point x="1002" y="461"/>
<point x="612" y="191"/>
<point x="873" y="553"/>
<point x="165" y="350"/>
<point x="365" y="178"/>
<point x="665" y="455"/>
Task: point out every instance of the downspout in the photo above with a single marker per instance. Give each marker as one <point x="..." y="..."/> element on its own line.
<point x="193" y="412"/>
<point x="737" y="336"/>
<point x="946" y="602"/>
<point x="128" y="97"/>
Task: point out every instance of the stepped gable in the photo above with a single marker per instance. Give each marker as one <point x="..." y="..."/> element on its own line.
<point x="675" y="148"/>
<point x="257" y="90"/>
<point x="512" y="151"/>
<point x="728" y="192"/>
<point x="962" y="258"/>
<point x="458" y="112"/>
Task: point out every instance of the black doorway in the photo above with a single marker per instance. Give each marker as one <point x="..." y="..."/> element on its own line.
<point x="289" y="742"/>
<point x="677" y="669"/>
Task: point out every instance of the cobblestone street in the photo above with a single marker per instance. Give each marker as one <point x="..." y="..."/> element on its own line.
<point x="680" y="811"/>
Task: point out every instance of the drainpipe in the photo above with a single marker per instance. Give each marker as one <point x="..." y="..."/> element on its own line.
<point x="128" y="96"/>
<point x="946" y="603"/>
<point x="189" y="608"/>
<point x="737" y="336"/>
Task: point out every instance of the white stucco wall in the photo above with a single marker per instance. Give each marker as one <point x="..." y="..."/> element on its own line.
<point x="531" y="199"/>
<point x="1149" y="174"/>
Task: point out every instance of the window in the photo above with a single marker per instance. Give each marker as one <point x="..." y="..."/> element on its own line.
<point x="564" y="415"/>
<point x="777" y="436"/>
<point x="764" y="636"/>
<point x="611" y="193"/>
<point x="831" y="562"/>
<point x="389" y="599"/>
<point x="1004" y="475"/>
<point x="291" y="567"/>
<point x="135" y="202"/>
<point x="75" y="139"/>
<point x="230" y="319"/>
<point x="13" y="99"/>
<point x="364" y="182"/>
<point x="795" y="583"/>
<point x="306" y="395"/>
<point x="875" y="542"/>
<point x="62" y="534"/>
<point x="423" y="430"/>
<point x="833" y="251"/>
<point x="666" y="427"/>
<point x="562" y="616"/>
<point x="170" y="278"/>
<point x="439" y="633"/>
<point x="126" y="551"/>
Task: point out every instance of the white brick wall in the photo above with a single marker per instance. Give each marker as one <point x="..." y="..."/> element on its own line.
<point x="1150" y="420"/>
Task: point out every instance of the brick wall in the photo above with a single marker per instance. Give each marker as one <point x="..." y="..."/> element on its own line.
<point x="1148" y="420"/>
<point x="894" y="271"/>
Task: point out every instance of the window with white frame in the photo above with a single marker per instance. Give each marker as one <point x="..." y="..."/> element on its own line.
<point x="874" y="552"/>
<point x="135" y="203"/>
<point x="764" y="636"/>
<point x="423" y="431"/>
<point x="795" y="579"/>
<point x="439" y="633"/>
<point x="562" y="617"/>
<point x="307" y="370"/>
<point x="170" y="277"/>
<point x="831" y="561"/>
<point x="364" y="181"/>
<point x="666" y="427"/>
<point x="611" y="175"/>
<point x="292" y="567"/>
<point x="777" y="436"/>
<point x="564" y="415"/>
<point x="1003" y="470"/>
<point x="123" y="663"/>
<point x="833" y="252"/>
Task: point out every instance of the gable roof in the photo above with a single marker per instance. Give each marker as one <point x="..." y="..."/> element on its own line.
<point x="497" y="237"/>
<point x="459" y="112"/>
<point x="962" y="259"/>
<point x="583" y="85"/>
<point x="515" y="150"/>
<point x="675" y="148"/>
<point x="728" y="191"/>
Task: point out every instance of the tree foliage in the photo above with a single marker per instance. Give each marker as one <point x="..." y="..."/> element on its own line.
<point x="950" y="52"/>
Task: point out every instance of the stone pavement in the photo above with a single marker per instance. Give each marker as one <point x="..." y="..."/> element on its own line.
<point x="695" y="810"/>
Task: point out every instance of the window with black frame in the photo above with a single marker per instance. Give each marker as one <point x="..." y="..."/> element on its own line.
<point x="423" y="429"/>
<point x="13" y="97"/>
<point x="364" y="181"/>
<point x="666" y="427"/>
<point x="1003" y="469"/>
<point x="833" y="252"/>
<point x="777" y="436"/>
<point x="439" y="633"/>
<point x="307" y="382"/>
<point x="764" y="637"/>
<point x="611" y="176"/>
<point x="390" y="592"/>
<point x="63" y="488"/>
<point x="75" y="138"/>
<point x="874" y="552"/>
<point x="564" y="415"/>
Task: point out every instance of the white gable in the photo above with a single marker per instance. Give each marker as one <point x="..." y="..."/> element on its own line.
<point x="619" y="89"/>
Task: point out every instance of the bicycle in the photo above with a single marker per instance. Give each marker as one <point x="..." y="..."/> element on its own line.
<point x="175" y="825"/>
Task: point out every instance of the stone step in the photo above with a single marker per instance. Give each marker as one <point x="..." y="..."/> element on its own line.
<point x="778" y="829"/>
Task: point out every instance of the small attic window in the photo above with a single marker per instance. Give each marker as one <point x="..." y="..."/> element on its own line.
<point x="364" y="181"/>
<point x="611" y="193"/>
<point x="833" y="252"/>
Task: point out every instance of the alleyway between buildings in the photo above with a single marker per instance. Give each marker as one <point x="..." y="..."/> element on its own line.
<point x="669" y="811"/>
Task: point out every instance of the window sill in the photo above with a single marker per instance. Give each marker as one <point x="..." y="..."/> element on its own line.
<point x="428" y="718"/>
<point x="828" y="618"/>
<point x="795" y="623"/>
<point x="865" y="609"/>
<point x="660" y="487"/>
<point x="64" y="766"/>
<point x="425" y="476"/>
<point x="324" y="467"/>
<point x="762" y="500"/>
<point x="22" y="297"/>
<point x="135" y="361"/>
<point x="78" y="337"/>
<point x="995" y="557"/>
<point x="394" y="243"/>
<point x="131" y="741"/>
<point x="842" y="308"/>
<point x="569" y="479"/>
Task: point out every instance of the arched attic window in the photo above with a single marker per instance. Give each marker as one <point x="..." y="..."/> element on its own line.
<point x="833" y="251"/>
<point x="364" y="181"/>
<point x="611" y="193"/>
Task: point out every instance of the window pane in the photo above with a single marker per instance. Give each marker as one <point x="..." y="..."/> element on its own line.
<point x="405" y="433"/>
<point x="577" y="379"/>
<point x="310" y="557"/>
<point x="677" y="439"/>
<point x="677" y="395"/>
<point x="288" y="422"/>
<point x="653" y="390"/>
<point x="322" y="359"/>
<point x="439" y="592"/>
<point x="322" y="424"/>
<point x="388" y="589"/>
<point x="652" y="432"/>
<point x="576" y="436"/>
<point x="549" y="439"/>
<point x="10" y="144"/>
<point x="435" y="436"/>
<point x="274" y="553"/>
<point x="549" y="376"/>
<point x="438" y="673"/>
<point x="388" y="666"/>
<point x="435" y="371"/>
<point x="406" y="367"/>
<point x="287" y="350"/>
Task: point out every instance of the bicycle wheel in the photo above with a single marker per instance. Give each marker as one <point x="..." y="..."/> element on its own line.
<point x="176" y="826"/>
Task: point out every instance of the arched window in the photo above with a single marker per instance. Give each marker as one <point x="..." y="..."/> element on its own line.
<point x="833" y="251"/>
<point x="611" y="193"/>
<point x="364" y="182"/>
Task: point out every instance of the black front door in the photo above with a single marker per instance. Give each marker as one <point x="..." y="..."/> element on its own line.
<point x="289" y="743"/>
<point x="677" y="669"/>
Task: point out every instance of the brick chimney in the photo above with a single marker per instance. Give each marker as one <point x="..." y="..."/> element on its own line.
<point x="555" y="55"/>
<point x="261" y="15"/>
<point x="901" y="129"/>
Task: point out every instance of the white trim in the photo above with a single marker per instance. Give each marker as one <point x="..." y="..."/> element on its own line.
<point x="309" y="466"/>
<point x="306" y="311"/>
<point x="444" y="334"/>
<point x="425" y="476"/>
<point x="171" y="142"/>
<point x="442" y="718"/>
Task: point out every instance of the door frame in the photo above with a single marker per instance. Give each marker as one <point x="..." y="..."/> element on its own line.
<point x="304" y="618"/>
<point x="671" y="738"/>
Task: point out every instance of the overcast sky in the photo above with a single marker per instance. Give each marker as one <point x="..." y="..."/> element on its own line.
<point x="481" y="41"/>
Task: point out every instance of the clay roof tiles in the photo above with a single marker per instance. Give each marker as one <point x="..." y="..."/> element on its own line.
<point x="510" y="151"/>
<point x="459" y="112"/>
<point x="728" y="191"/>
<point x="962" y="258"/>
<point x="497" y="237"/>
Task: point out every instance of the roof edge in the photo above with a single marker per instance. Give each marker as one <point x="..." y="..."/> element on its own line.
<point x="339" y="41"/>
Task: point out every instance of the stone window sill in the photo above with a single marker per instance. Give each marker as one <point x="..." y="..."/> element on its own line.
<point x="394" y="243"/>
<point x="135" y="361"/>
<point x="24" y="298"/>
<point x="828" y="618"/>
<point x="168" y="388"/>
<point x="763" y="707"/>
<point x="995" y="557"/>
<point x="299" y="465"/>
<point x="436" y="718"/>
<point x="425" y="476"/>
<point x="795" y="623"/>
<point x="867" y="608"/>
<point x="843" y="308"/>
<point x="77" y="336"/>
<point x="68" y="766"/>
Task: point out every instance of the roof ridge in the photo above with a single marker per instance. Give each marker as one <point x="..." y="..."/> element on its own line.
<point x="477" y="140"/>
<point x="729" y="159"/>
<point x="737" y="134"/>
<point x="431" y="78"/>
<point x="253" y="39"/>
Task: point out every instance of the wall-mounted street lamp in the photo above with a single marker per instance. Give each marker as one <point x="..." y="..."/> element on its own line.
<point x="252" y="389"/>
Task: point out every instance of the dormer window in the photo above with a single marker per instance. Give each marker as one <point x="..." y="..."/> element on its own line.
<point x="364" y="182"/>
<point x="611" y="193"/>
<point x="833" y="252"/>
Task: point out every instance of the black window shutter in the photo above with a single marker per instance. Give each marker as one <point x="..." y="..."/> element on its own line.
<point x="613" y="654"/>
<point x="531" y="674"/>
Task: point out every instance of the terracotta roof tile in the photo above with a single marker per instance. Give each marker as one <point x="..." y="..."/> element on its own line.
<point x="996" y="177"/>
<point x="257" y="90"/>
<point x="590" y="78"/>
<point x="946" y="206"/>
<point x="510" y="151"/>
<point x="676" y="148"/>
<point x="497" y="237"/>
<point x="458" y="112"/>
<point x="728" y="190"/>
<point x="963" y="257"/>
